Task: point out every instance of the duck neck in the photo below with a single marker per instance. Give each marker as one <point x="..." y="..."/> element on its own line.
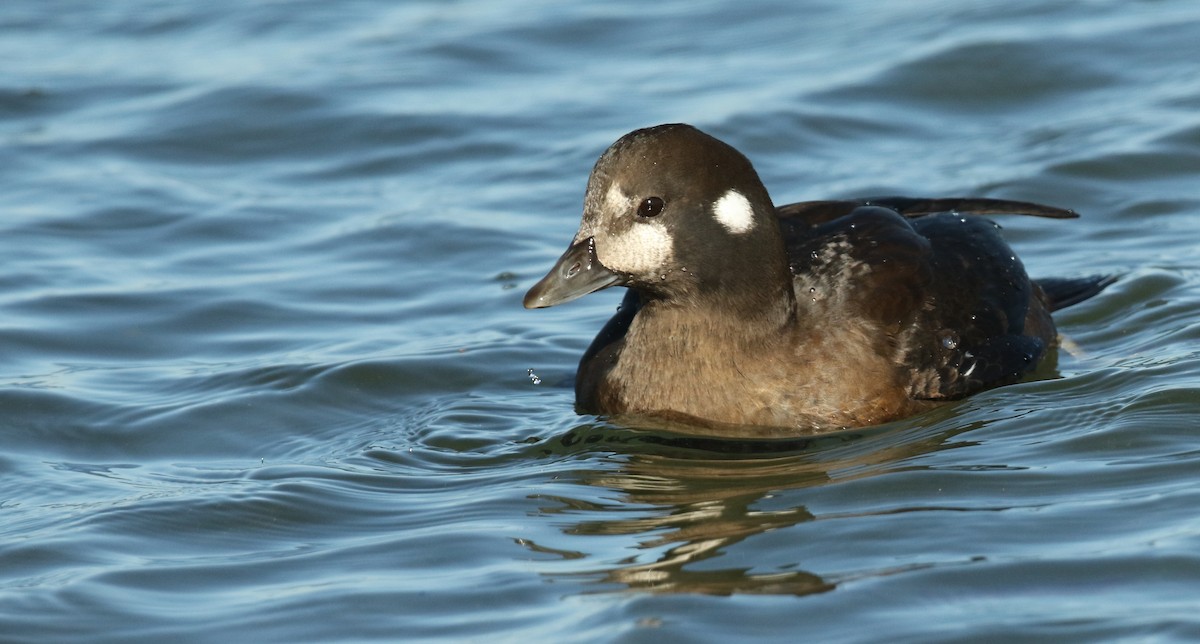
<point x="755" y="292"/>
<point x="741" y="312"/>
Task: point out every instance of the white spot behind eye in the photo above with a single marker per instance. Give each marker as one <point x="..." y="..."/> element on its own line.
<point x="733" y="211"/>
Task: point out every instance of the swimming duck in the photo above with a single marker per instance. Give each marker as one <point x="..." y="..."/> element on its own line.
<point x="821" y="314"/>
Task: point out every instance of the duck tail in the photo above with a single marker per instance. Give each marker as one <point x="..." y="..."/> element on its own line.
<point x="1062" y="292"/>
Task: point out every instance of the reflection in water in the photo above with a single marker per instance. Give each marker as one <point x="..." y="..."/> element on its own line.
<point x="688" y="500"/>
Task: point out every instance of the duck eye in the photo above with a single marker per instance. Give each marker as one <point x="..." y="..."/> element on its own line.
<point x="650" y="207"/>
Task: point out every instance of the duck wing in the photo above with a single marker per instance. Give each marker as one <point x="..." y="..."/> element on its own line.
<point x="817" y="212"/>
<point x="944" y="294"/>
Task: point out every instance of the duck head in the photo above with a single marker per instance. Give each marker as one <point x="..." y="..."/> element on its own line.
<point x="673" y="213"/>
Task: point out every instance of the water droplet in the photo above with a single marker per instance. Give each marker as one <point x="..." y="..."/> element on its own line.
<point x="812" y="289"/>
<point x="533" y="377"/>
<point x="972" y="317"/>
<point x="813" y="254"/>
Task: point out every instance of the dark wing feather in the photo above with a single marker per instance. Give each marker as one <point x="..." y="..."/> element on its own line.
<point x="869" y="263"/>
<point x="947" y="292"/>
<point x="981" y="300"/>
<point x="818" y="212"/>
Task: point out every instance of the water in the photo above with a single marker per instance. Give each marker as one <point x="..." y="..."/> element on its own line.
<point x="266" y="376"/>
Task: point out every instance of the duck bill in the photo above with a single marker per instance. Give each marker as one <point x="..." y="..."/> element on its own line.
<point x="574" y="275"/>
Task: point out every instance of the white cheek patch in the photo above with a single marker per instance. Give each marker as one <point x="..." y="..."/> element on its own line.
<point x="642" y="249"/>
<point x="733" y="211"/>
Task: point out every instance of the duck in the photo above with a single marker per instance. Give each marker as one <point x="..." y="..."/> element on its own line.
<point x="810" y="316"/>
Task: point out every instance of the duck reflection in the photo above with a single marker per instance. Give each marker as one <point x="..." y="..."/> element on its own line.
<point x="688" y="499"/>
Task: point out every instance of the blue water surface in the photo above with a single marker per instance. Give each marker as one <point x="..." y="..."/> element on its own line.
<point x="265" y="372"/>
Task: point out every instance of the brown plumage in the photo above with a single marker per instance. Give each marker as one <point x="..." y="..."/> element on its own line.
<point x="811" y="315"/>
